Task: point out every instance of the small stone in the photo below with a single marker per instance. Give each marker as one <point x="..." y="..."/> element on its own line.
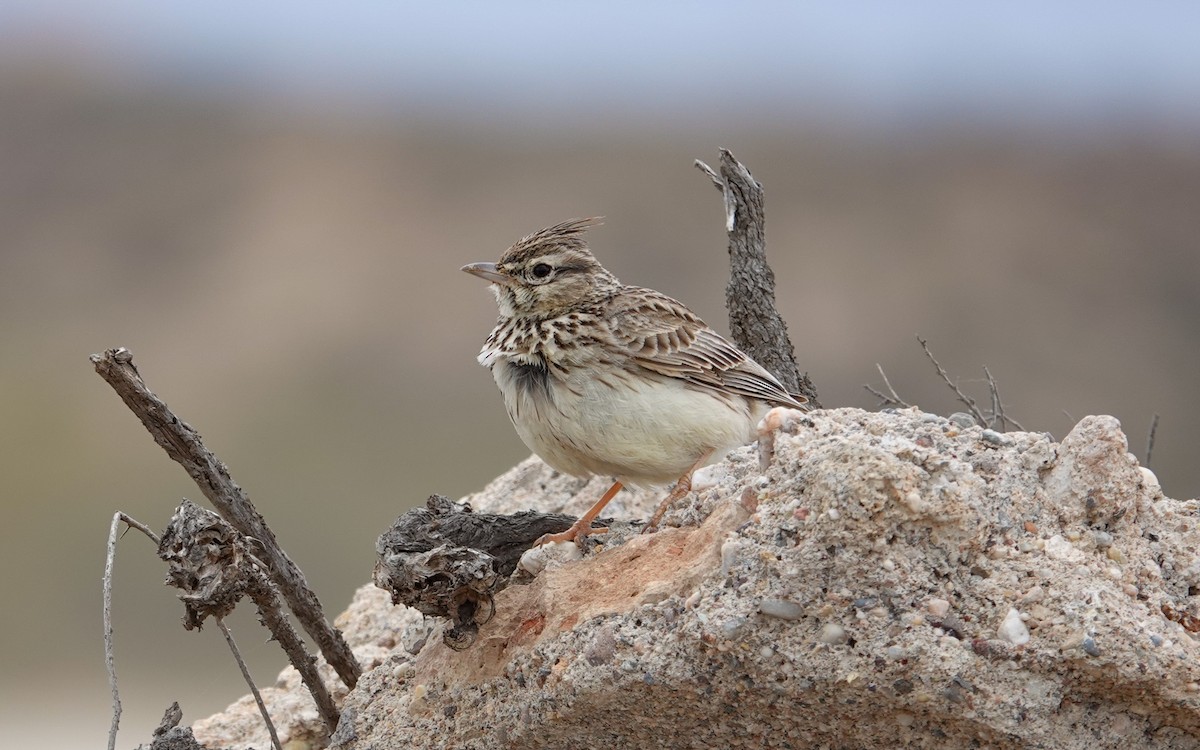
<point x="1035" y="594"/>
<point x="993" y="437"/>
<point x="1150" y="480"/>
<point x="1058" y="548"/>
<point x="962" y="419"/>
<point x="602" y="649"/>
<point x="734" y="628"/>
<point x="832" y="634"/>
<point x="937" y="607"/>
<point x="781" y="608"/>
<point x="834" y="514"/>
<point x="708" y="477"/>
<point x="1013" y="629"/>
<point x="729" y="555"/>
<point x="914" y="502"/>
<point x="1103" y="539"/>
<point x="537" y="559"/>
<point x="1116" y="555"/>
<point x="1089" y="647"/>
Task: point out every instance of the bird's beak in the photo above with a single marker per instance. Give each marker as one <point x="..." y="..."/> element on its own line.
<point x="488" y="272"/>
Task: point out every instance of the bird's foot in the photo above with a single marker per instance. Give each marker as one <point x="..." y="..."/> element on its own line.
<point x="578" y="533"/>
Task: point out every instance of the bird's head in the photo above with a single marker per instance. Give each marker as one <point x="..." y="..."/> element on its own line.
<point x="547" y="273"/>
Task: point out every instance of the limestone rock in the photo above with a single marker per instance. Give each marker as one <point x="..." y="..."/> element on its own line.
<point x="858" y="591"/>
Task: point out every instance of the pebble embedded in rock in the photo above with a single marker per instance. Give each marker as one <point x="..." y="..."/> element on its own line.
<point x="781" y="608"/>
<point x="537" y="559"/>
<point x="1013" y="629"/>
<point x="733" y="629"/>
<point x="832" y="634"/>
<point x="962" y="419"/>
<point x="937" y="607"/>
<point x="993" y="437"/>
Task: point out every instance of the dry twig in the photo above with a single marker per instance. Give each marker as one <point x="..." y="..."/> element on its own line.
<point x="754" y="322"/>
<point x="1150" y="439"/>
<point x="184" y="445"/>
<point x="109" y="660"/>
<point x="891" y="399"/>
<point x="262" y="707"/>
<point x="996" y="418"/>
<point x="212" y="565"/>
<point x="962" y="397"/>
<point x="998" y="415"/>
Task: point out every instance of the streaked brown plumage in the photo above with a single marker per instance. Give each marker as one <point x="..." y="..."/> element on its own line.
<point x="603" y="378"/>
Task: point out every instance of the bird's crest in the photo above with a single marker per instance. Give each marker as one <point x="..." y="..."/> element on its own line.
<point x="567" y="235"/>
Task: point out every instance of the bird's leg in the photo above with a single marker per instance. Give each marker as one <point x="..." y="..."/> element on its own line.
<point x="681" y="488"/>
<point x="581" y="528"/>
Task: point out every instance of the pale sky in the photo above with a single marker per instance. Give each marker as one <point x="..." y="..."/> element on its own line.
<point x="893" y="61"/>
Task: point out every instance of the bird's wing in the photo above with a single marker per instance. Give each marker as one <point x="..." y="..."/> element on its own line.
<point x="663" y="336"/>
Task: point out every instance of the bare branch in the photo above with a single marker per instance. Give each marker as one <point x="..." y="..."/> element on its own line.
<point x="212" y="565"/>
<point x="184" y="445"/>
<point x="998" y="414"/>
<point x="755" y="323"/>
<point x="262" y="707"/>
<point x="109" y="659"/>
<point x="1150" y="439"/>
<point x="962" y="397"/>
<point x="271" y="615"/>
<point x="891" y="398"/>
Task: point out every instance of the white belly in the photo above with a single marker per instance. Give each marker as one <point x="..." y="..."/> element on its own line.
<point x="639" y="430"/>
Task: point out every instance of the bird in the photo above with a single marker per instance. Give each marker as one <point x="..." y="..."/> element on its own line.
<point x="602" y="378"/>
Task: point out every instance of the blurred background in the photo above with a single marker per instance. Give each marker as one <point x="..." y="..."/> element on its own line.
<point x="268" y="203"/>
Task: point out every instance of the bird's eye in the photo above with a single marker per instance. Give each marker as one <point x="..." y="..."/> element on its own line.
<point x="542" y="270"/>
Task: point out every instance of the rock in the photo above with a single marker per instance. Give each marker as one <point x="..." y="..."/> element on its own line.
<point x="1013" y="629"/>
<point x="780" y="623"/>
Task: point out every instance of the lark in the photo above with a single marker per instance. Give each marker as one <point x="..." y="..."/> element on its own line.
<point x="601" y="378"/>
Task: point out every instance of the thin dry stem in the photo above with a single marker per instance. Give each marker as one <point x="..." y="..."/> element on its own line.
<point x="1150" y="439"/>
<point x="262" y="707"/>
<point x="962" y="397"/>
<point x="109" y="659"/>
<point x="891" y="398"/>
<point x="998" y="413"/>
